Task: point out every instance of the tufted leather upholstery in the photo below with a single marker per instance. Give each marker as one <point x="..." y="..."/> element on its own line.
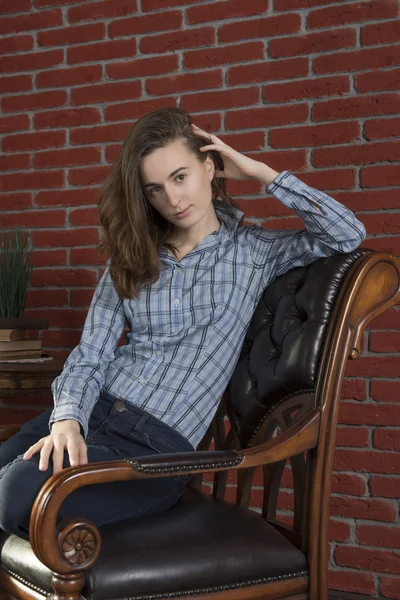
<point x="282" y="347"/>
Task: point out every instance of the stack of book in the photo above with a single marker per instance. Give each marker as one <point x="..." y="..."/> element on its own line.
<point x="15" y="344"/>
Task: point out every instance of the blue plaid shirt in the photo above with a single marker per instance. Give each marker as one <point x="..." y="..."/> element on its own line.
<point x="187" y="328"/>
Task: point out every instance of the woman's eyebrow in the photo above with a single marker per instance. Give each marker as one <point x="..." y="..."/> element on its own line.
<point x="169" y="177"/>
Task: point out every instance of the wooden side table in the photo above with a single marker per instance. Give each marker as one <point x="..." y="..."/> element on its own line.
<point x="25" y="393"/>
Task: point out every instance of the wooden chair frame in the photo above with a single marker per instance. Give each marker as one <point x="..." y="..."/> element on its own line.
<point x="370" y="287"/>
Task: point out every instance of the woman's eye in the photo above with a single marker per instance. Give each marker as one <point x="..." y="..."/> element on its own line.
<point x="180" y="175"/>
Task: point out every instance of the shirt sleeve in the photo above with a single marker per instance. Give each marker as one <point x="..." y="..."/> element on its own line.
<point x="331" y="228"/>
<point x="77" y="388"/>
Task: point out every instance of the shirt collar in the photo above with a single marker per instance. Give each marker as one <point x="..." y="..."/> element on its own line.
<point x="229" y="215"/>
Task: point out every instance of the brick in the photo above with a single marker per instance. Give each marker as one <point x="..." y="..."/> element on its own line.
<point x="290" y="68"/>
<point x="200" y="59"/>
<point x="19" y="43"/>
<point x="348" y="484"/>
<point x="312" y="43"/>
<point x="357" y="437"/>
<point x="384" y="244"/>
<point x="380" y="33"/>
<point x="351" y="581"/>
<point x="18" y="83"/>
<point x="267" y="27"/>
<point x="86" y="256"/>
<point x="31" y="62"/>
<point x="135" y="110"/>
<point x="385" y="341"/>
<point x="12" y="6"/>
<point x="145" y="24"/>
<point x="381" y="175"/>
<point x="390" y="587"/>
<point x="101" y="10"/>
<point x="367" y="199"/>
<point x="338" y="531"/>
<point x="292" y="160"/>
<point x="81" y="297"/>
<point x="221" y="99"/>
<point x="376" y="82"/>
<point x="50" y="258"/>
<point x="354" y="389"/>
<point x="40" y="298"/>
<point x="72" y="35"/>
<point x="329" y="179"/>
<point x="357" y="60"/>
<point x="368" y="414"/>
<point x="14" y="162"/>
<point x="14" y="123"/>
<point x="72" y="156"/>
<point x="34" y="101"/>
<point x="51" y="218"/>
<point x="31" y="180"/>
<point x="67" y="197"/>
<point x="103" y="133"/>
<point x="306" y="88"/>
<point x="102" y="51"/>
<point x="88" y="176"/>
<point x="376" y="129"/>
<point x="387" y="439"/>
<point x="367" y="461"/>
<point x="84" y="216"/>
<point x="65" y="318"/>
<point x="356" y="106"/>
<point x="95" y="94"/>
<point x="356" y="155"/>
<point x="40" y="3"/>
<point x="149" y="5"/>
<point x="88" y="236"/>
<point x="378" y="535"/>
<point x="184" y="82"/>
<point x="32" y="20"/>
<point x="374" y="366"/>
<point x="66" y="338"/>
<point x="16" y="201"/>
<point x="356" y="12"/>
<point x="63" y="278"/>
<point x="69" y="76"/>
<point x="35" y="140"/>
<point x="385" y="391"/>
<point x="178" y="40"/>
<point x="142" y="67"/>
<point x="68" y="117"/>
<point x="371" y="560"/>
<point x="216" y="11"/>
<point x="316" y="135"/>
<point x="266" y="116"/>
<point x="363" y="508"/>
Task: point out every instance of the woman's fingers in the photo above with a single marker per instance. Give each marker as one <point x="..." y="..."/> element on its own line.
<point x="44" y="455"/>
<point x="33" y="449"/>
<point x="83" y="457"/>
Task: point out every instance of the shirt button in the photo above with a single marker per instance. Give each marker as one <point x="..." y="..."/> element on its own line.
<point x="176" y="301"/>
<point x="158" y="353"/>
<point x="142" y="381"/>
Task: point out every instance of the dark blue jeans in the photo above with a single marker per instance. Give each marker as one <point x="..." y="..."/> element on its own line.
<point x="117" y="430"/>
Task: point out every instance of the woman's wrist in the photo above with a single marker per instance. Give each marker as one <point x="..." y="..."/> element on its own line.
<point x="265" y="174"/>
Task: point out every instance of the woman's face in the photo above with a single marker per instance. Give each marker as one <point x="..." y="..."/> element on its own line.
<point x="174" y="180"/>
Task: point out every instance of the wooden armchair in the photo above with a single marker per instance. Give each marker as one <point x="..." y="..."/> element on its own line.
<point x="282" y="404"/>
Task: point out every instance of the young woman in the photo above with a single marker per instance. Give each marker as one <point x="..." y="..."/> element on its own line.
<point x="186" y="275"/>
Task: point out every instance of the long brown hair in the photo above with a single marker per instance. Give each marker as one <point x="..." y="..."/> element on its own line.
<point x="133" y="232"/>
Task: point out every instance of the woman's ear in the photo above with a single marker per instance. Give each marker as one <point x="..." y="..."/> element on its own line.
<point x="210" y="166"/>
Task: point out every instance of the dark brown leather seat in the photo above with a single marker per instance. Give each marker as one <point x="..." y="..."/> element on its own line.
<point x="282" y="405"/>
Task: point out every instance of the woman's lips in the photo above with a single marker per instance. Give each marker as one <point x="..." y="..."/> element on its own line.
<point x="183" y="214"/>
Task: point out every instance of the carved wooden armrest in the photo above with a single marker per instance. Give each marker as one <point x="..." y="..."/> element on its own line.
<point x="48" y="543"/>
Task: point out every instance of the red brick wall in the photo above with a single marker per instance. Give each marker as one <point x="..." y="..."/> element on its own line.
<point x="305" y="85"/>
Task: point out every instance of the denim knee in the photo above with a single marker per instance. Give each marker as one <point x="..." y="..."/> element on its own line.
<point x="20" y="482"/>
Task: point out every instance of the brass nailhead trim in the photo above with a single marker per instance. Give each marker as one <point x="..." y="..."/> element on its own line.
<point x="25" y="582"/>
<point x="198" y="467"/>
<point x="213" y="589"/>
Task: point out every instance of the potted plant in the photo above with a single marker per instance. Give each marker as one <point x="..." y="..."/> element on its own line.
<point x="15" y="278"/>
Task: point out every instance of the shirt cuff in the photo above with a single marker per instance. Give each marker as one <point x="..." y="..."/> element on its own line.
<point x="61" y="413"/>
<point x="296" y="194"/>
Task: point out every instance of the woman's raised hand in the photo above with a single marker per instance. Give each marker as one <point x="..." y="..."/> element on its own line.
<point x="236" y="165"/>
